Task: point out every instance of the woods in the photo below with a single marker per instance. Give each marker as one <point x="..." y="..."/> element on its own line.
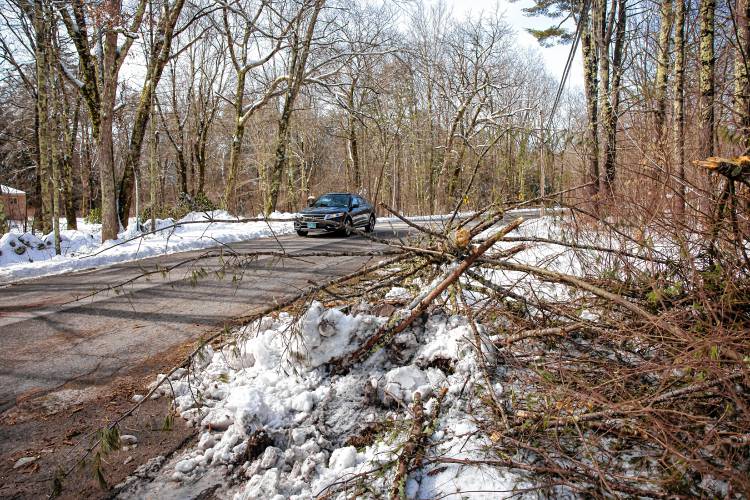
<point x="265" y="103"/>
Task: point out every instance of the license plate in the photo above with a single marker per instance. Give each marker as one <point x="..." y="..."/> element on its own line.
<point x="311" y="225"/>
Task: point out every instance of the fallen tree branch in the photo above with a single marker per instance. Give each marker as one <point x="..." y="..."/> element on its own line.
<point x="416" y="226"/>
<point x="237" y="256"/>
<point x="341" y="364"/>
<point x="558" y="331"/>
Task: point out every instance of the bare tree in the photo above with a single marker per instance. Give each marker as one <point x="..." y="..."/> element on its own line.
<point x="96" y="34"/>
<point x="254" y="34"/>
<point x="300" y="46"/>
<point x="160" y="52"/>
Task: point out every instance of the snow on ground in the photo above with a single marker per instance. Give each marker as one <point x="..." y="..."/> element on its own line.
<point x="24" y="255"/>
<point x="272" y="387"/>
<point x="274" y="383"/>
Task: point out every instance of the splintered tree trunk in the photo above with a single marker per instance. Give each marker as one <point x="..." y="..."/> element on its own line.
<point x="662" y="69"/>
<point x="707" y="69"/>
<point x="678" y="105"/>
<point x="591" y="82"/>
<point x="742" y="74"/>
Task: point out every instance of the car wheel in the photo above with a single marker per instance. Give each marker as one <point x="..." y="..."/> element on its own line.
<point x="301" y="233"/>
<point x="348" y="227"/>
<point x="370" y="227"/>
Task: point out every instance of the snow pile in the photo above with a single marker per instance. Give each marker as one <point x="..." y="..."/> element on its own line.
<point x="565" y="258"/>
<point x="25" y="255"/>
<point x="23" y="248"/>
<point x="278" y="425"/>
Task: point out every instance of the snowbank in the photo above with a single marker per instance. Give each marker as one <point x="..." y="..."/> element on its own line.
<point x="23" y="255"/>
<point x="273" y="387"/>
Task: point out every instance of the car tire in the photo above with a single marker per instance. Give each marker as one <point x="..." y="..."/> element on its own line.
<point x="301" y="233"/>
<point x="348" y="227"/>
<point x="370" y="227"/>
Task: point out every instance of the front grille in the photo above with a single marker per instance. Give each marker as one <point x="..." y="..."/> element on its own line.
<point x="313" y="218"/>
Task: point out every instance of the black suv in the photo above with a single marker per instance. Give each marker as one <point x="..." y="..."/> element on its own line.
<point x="336" y="212"/>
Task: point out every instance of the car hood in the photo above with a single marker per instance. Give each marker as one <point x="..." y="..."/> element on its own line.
<point x="322" y="210"/>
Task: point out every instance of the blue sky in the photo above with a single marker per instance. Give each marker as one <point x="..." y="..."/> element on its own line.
<point x="554" y="57"/>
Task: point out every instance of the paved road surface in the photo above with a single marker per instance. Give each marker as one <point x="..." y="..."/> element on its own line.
<point x="48" y="341"/>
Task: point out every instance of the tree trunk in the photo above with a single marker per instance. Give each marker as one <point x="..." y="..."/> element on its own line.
<point x="352" y="145"/>
<point x="105" y="144"/>
<point x="602" y="36"/>
<point x="678" y="105"/>
<point x="229" y="201"/>
<point x="56" y="158"/>
<point x="42" y="108"/>
<point x="99" y="86"/>
<point x="182" y="170"/>
<point x="298" y="64"/>
<point x="662" y="69"/>
<point x="613" y="106"/>
<point x="200" y="157"/>
<point x="39" y="220"/>
<point x="591" y="82"/>
<point x="280" y="157"/>
<point x="707" y="63"/>
<point x="70" y="133"/>
<point x="153" y="177"/>
<point x="742" y="75"/>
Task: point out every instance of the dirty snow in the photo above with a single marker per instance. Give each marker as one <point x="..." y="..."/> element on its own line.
<point x="24" y="255"/>
<point x="274" y="383"/>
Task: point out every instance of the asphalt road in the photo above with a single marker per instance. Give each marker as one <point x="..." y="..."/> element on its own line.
<point x="50" y="339"/>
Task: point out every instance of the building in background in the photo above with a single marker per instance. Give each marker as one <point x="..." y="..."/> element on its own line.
<point x="14" y="204"/>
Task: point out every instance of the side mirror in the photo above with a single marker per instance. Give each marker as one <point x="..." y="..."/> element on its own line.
<point x="310" y="201"/>
<point x="355" y="205"/>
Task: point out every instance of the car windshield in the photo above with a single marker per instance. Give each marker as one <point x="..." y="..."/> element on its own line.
<point x="332" y="200"/>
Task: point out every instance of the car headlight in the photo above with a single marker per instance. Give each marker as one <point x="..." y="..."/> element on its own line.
<point x="334" y="216"/>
